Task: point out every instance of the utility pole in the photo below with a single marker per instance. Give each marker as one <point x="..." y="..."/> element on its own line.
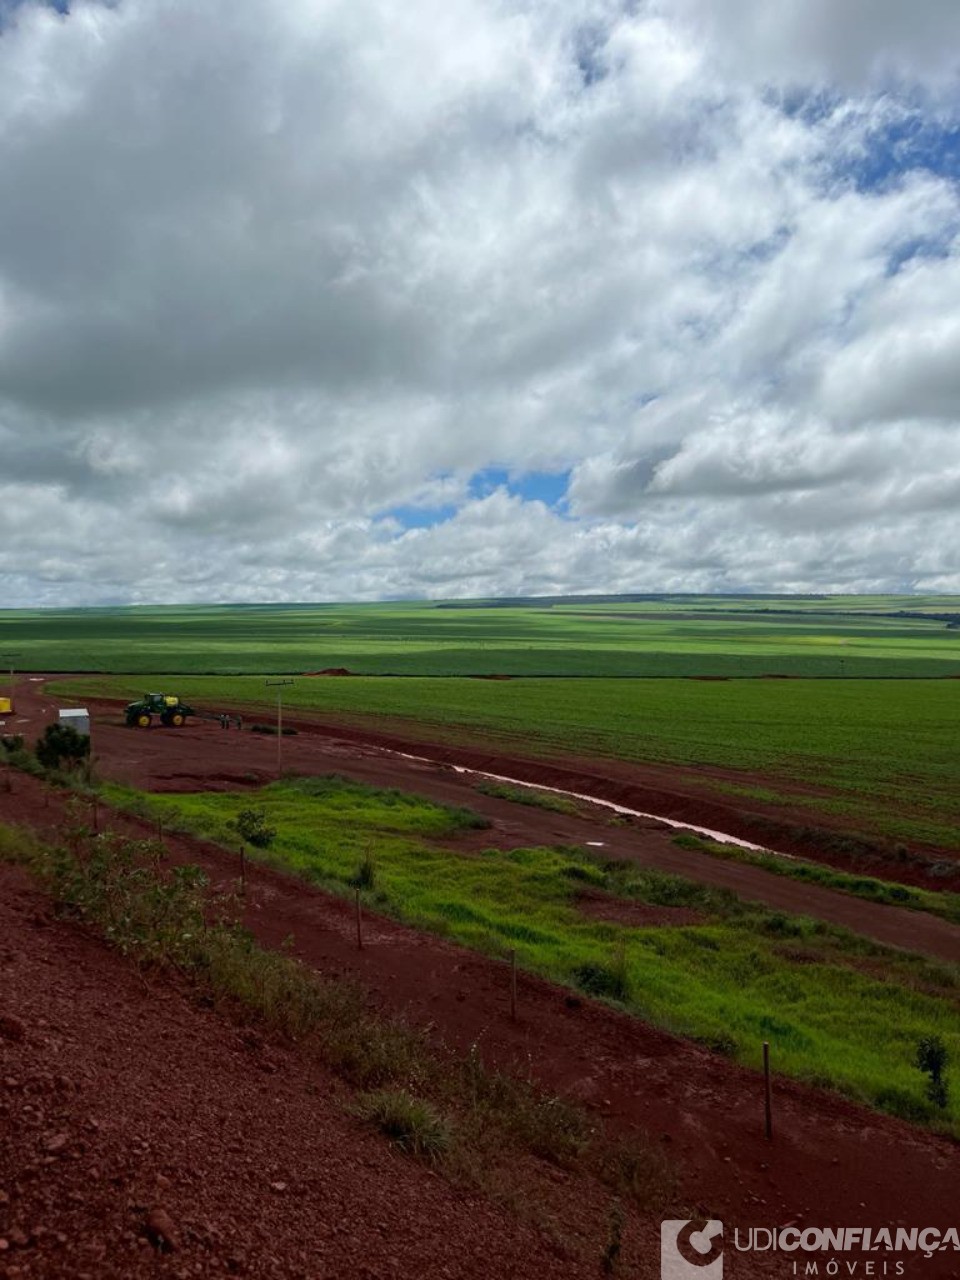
<point x="279" y="685"/>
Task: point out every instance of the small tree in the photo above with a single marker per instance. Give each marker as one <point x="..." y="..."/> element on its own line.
<point x="61" y="746"/>
<point x="365" y="876"/>
<point x="251" y="826"/>
<point x="931" y="1059"/>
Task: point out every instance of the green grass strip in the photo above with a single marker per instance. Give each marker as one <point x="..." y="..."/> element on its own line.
<point x="838" y="1010"/>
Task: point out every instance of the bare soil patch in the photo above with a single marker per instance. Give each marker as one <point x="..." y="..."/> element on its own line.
<point x="638" y="915"/>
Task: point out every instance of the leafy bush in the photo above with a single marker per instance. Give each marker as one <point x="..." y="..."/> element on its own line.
<point x="158" y="918"/>
<point x="251" y="826"/>
<point x="61" y="747"/>
<point x="931" y="1059"/>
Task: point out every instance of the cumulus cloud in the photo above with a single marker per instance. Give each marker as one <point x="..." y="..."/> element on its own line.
<point x="277" y="285"/>
<point x="846" y="45"/>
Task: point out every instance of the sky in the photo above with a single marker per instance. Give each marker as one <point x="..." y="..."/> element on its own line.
<point x="365" y="299"/>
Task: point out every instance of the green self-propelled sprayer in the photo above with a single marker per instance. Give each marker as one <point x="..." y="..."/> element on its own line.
<point x="167" y="708"/>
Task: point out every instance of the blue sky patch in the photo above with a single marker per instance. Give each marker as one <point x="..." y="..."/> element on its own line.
<point x="549" y="487"/>
<point x="8" y="7"/>
<point x="421" y="517"/>
<point x="905" y="146"/>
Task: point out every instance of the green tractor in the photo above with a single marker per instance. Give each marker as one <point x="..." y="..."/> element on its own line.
<point x="166" y="706"/>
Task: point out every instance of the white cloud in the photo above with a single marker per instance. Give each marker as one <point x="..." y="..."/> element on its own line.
<point x="846" y="43"/>
<point x="267" y="275"/>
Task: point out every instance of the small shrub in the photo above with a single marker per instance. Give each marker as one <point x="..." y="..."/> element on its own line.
<point x="547" y="1126"/>
<point x="26" y="762"/>
<point x="158" y="919"/>
<point x="251" y="826"/>
<point x="780" y="926"/>
<point x="551" y="1128"/>
<point x="931" y="1058"/>
<point x="610" y="1258"/>
<point x="365" y="876"/>
<point x="636" y="1168"/>
<point x="413" y="1125"/>
<point x="607" y="981"/>
<point x="465" y="819"/>
<point x="61" y="746"/>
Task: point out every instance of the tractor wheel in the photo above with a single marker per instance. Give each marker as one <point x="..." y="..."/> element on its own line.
<point x="144" y="719"/>
<point x="177" y="719"/>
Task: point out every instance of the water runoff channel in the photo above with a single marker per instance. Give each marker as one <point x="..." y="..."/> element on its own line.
<point x="721" y="837"/>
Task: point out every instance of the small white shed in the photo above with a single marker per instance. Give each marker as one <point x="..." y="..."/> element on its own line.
<point x="76" y="718"/>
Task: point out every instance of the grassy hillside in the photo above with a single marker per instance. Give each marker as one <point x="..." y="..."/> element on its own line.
<point x="837" y="1010"/>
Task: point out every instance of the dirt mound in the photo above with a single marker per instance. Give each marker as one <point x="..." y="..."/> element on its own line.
<point x="331" y="671"/>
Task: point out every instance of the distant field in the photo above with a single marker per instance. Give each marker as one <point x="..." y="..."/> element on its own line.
<point x="832" y="637"/>
<point x="883" y="754"/>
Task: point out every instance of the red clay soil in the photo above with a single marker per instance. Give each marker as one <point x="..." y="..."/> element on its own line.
<point x="831" y="1163"/>
<point x="146" y="1136"/>
<point x="201" y="756"/>
<point x="680" y="794"/>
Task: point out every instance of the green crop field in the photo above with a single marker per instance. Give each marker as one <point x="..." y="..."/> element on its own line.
<point x="882" y="754"/>
<point x="838" y="1011"/>
<point x="830" y="637"/>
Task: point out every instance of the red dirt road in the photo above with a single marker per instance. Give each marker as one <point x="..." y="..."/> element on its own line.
<point x="204" y="757"/>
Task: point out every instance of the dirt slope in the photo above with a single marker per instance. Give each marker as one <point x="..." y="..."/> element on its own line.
<point x="119" y="1098"/>
<point x="832" y="1163"/>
